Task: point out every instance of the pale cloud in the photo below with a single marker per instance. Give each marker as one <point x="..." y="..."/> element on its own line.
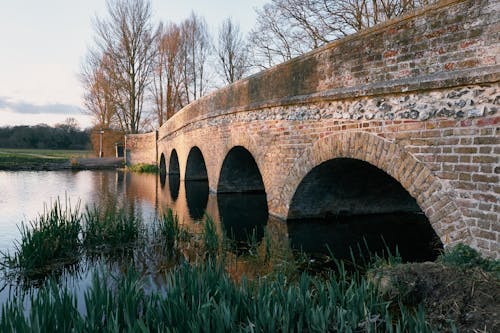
<point x="24" y="107"/>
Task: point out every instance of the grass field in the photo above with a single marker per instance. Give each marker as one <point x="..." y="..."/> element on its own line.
<point x="26" y="159"/>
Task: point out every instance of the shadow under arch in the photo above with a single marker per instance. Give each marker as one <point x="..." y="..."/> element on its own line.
<point x="241" y="198"/>
<point x="173" y="175"/>
<point x="434" y="199"/>
<point x="173" y="165"/>
<point x="351" y="205"/>
<point x="163" y="170"/>
<point x="196" y="184"/>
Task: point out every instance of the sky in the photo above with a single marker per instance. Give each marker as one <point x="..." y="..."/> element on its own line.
<point x="43" y="43"/>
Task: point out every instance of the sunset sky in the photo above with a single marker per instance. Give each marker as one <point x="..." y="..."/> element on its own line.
<point x="42" y="44"/>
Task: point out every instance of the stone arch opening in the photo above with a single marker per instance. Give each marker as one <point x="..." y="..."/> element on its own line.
<point x="163" y="170"/>
<point x="241" y="198"/>
<point x="196" y="184"/>
<point x="173" y="175"/>
<point x="173" y="165"/>
<point x="349" y="204"/>
<point x="240" y="173"/>
<point x="195" y="165"/>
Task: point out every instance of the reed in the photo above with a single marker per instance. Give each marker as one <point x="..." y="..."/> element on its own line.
<point x="210" y="238"/>
<point x="203" y="298"/>
<point x="110" y="229"/>
<point x="170" y="230"/>
<point x="51" y="238"/>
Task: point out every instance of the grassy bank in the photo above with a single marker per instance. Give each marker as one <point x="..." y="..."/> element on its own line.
<point x="143" y="168"/>
<point x="35" y="159"/>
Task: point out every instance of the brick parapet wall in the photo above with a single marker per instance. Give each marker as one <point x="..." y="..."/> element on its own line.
<point x="453" y="43"/>
<point x="141" y="148"/>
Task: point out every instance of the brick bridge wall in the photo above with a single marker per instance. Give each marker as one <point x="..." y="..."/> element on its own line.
<point x="417" y="97"/>
<point x="141" y="148"/>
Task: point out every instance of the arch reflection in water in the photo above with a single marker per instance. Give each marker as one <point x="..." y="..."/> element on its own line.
<point x="174" y="183"/>
<point x="243" y="216"/>
<point x="196" y="197"/>
<point x="346" y="203"/>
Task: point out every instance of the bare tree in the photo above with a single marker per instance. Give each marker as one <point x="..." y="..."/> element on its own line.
<point x="166" y="88"/>
<point x="126" y="38"/>
<point x="97" y="98"/>
<point x="232" y="52"/>
<point x="288" y="28"/>
<point x="196" y="48"/>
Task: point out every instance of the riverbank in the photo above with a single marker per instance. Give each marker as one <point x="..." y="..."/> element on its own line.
<point x="52" y="160"/>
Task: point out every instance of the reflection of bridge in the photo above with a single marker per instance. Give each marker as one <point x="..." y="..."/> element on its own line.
<point x="401" y="117"/>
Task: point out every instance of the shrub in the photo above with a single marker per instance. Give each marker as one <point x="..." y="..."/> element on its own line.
<point x="144" y="168"/>
<point x="462" y="255"/>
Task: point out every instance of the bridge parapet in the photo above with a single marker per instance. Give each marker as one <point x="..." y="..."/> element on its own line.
<point x="453" y="43"/>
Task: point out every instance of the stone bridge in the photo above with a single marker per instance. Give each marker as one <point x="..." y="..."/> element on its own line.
<point x="400" y="117"/>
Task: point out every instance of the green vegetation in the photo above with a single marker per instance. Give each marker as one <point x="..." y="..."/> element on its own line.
<point x="112" y="228"/>
<point x="62" y="136"/>
<point x="27" y="159"/>
<point x="210" y="238"/>
<point x="203" y="298"/>
<point x="170" y="230"/>
<point x="464" y="256"/>
<point x="52" y="238"/>
<point x="143" y="168"/>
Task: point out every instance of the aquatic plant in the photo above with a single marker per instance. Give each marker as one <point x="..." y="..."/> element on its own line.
<point x="210" y="238"/>
<point x="203" y="298"/>
<point x="51" y="238"/>
<point x="169" y="228"/>
<point x="110" y="228"/>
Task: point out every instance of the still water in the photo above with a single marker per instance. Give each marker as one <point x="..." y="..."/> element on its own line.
<point x="24" y="195"/>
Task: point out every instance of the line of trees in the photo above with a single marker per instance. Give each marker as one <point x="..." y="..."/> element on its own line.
<point x="67" y="135"/>
<point x="138" y="74"/>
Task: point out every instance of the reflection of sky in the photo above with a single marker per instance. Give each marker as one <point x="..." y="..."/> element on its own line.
<point x="25" y="194"/>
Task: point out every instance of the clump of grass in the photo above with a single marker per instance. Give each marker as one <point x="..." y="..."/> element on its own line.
<point x="111" y="228"/>
<point x="143" y="168"/>
<point x="169" y="228"/>
<point x="464" y="256"/>
<point x="210" y="238"/>
<point x="52" y="238"/>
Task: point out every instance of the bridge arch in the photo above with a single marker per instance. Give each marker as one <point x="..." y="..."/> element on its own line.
<point x="240" y="173"/>
<point x="196" y="169"/>
<point x="173" y="165"/>
<point x="162" y="166"/>
<point x="430" y="193"/>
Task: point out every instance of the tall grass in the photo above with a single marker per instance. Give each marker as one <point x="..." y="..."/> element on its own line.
<point x="169" y="228"/>
<point x="51" y="238"/>
<point x="203" y="298"/>
<point x="210" y="238"/>
<point x="110" y="228"/>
